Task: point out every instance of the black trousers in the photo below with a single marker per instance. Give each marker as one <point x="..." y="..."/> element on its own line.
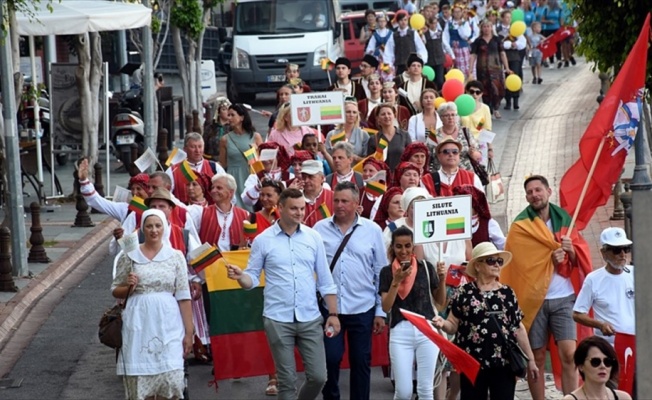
<point x="517" y="68"/>
<point x="500" y="382"/>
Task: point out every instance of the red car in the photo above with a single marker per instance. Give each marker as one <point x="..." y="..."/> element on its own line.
<point x="351" y="24"/>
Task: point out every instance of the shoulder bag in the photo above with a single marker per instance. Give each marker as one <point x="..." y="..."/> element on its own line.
<point x="495" y="189"/>
<point x="337" y="255"/>
<point x="478" y="168"/>
<point x="110" y="332"/>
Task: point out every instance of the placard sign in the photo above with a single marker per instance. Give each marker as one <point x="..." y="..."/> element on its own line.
<point x="442" y="219"/>
<point x="317" y="108"/>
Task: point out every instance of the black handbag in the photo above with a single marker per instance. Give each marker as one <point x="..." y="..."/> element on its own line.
<point x="515" y="355"/>
<point x="478" y="168"/>
<point x="110" y="332"/>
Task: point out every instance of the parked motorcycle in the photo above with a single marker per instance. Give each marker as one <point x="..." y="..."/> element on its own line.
<point x="128" y="128"/>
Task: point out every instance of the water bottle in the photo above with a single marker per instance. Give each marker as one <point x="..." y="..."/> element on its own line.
<point x="330" y="332"/>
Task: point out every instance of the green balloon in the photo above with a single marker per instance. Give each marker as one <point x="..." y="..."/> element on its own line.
<point x="518" y="15"/>
<point x="465" y="105"/>
<point x="428" y="72"/>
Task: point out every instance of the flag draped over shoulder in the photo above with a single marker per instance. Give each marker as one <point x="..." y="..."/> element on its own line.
<point x="615" y="122"/>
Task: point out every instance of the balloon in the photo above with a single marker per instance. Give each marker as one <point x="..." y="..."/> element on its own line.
<point x="439" y="101"/>
<point x="449" y="61"/>
<point x="513" y="83"/>
<point x="517" y="28"/>
<point x="428" y="72"/>
<point x="417" y="21"/>
<point x="518" y="15"/>
<point x="455" y="74"/>
<point x="451" y="89"/>
<point x="465" y="105"/>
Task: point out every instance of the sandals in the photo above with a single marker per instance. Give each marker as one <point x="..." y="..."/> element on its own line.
<point x="272" y="389"/>
<point x="497" y="114"/>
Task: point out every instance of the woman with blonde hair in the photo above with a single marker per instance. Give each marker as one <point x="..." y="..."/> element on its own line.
<point x="284" y="133"/>
<point x="353" y="134"/>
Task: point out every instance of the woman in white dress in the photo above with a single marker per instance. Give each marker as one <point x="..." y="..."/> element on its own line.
<point x="157" y="329"/>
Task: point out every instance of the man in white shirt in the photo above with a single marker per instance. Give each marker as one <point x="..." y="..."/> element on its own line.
<point x="609" y="291"/>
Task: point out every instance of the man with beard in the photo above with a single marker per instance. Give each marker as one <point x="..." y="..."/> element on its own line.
<point x="545" y="258"/>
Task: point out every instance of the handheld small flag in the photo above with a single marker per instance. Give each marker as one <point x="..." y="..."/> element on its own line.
<point x="375" y="188"/>
<point x="480" y="125"/>
<point x="137" y="204"/>
<point x="370" y="131"/>
<point x="338" y="137"/>
<point x="204" y="256"/>
<point x="250" y="155"/>
<point x="250" y="229"/>
<point x="176" y="156"/>
<point x="380" y="149"/>
<point x="187" y="172"/>
<point x="432" y="135"/>
<point x="297" y="146"/>
<point x="258" y="169"/>
<point x="327" y="64"/>
<point x="384" y="67"/>
<point x="324" y="211"/>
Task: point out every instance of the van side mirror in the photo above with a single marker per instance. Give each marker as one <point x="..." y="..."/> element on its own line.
<point x="338" y="30"/>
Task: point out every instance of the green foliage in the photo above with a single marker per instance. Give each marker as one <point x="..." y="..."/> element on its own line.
<point x="608" y="30"/>
<point x="187" y="16"/>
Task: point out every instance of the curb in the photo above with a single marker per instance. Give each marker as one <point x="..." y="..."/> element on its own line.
<point x="16" y="309"/>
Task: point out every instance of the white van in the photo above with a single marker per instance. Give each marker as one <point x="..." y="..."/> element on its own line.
<point x="269" y="34"/>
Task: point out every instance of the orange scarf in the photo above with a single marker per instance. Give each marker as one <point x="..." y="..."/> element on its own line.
<point x="407" y="283"/>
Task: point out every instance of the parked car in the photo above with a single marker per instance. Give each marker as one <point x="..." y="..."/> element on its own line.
<point x="352" y="23"/>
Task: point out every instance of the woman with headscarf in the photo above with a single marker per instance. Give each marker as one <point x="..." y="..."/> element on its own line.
<point x="390" y="208"/>
<point x="418" y="154"/>
<point x="370" y="167"/>
<point x="407" y="175"/>
<point x="401" y="113"/>
<point x="157" y="330"/>
<point x="483" y="227"/>
<point x="199" y="190"/>
<point x="277" y="169"/>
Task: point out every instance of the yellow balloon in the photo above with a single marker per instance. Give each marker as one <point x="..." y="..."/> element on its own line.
<point x="455" y="74"/>
<point x="439" y="101"/>
<point x="417" y="22"/>
<point x="513" y="83"/>
<point x="517" y="28"/>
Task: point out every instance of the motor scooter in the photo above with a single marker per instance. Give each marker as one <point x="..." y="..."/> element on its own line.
<point x="128" y="128"/>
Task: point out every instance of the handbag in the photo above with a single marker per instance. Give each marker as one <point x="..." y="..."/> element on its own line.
<point x="478" y="168"/>
<point x="515" y="355"/>
<point x="110" y="332"/>
<point x="495" y="189"/>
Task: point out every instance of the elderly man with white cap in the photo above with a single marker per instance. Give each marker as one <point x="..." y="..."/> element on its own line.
<point x="319" y="199"/>
<point x="609" y="290"/>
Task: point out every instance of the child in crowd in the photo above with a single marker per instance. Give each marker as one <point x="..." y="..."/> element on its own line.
<point x="310" y="143"/>
<point x="534" y="38"/>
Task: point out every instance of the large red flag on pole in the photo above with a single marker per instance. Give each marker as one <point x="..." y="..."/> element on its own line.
<point x="608" y="138"/>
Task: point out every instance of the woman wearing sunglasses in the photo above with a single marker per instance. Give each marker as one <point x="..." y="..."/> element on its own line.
<point x="484" y="314"/>
<point x="596" y="361"/>
<point x="451" y="128"/>
<point x="479" y="119"/>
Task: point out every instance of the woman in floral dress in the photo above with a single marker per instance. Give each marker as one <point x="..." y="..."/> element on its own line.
<point x="157" y="330"/>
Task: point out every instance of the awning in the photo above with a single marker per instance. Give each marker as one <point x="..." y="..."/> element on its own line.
<point x="74" y="17"/>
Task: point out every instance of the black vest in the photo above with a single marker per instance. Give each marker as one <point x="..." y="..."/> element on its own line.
<point x="435" y="50"/>
<point x="403" y="47"/>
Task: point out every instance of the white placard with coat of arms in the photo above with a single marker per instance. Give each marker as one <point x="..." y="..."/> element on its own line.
<point x="442" y="219"/>
<point x="317" y="108"/>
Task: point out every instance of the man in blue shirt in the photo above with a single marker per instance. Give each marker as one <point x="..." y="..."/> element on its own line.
<point x="292" y="256"/>
<point x="356" y="272"/>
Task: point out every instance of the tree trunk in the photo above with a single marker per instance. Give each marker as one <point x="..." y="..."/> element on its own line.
<point x="181" y="65"/>
<point x="89" y="74"/>
<point x="96" y="74"/>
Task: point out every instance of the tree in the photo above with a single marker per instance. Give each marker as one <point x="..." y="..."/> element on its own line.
<point x="160" y="29"/>
<point x="608" y="30"/>
<point x="89" y="77"/>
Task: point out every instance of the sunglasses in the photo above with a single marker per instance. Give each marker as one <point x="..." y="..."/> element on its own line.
<point x="475" y="91"/>
<point x="450" y="151"/>
<point x="618" y="250"/>
<point x="493" y="261"/>
<point x="596" y="361"/>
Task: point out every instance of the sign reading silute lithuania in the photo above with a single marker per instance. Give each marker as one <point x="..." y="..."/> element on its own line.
<point x="317" y="108"/>
<point x="442" y="219"/>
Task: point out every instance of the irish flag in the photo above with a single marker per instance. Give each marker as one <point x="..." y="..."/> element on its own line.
<point x="330" y="112"/>
<point x="455" y="226"/>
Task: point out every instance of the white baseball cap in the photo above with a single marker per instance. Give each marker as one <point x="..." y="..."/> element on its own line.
<point x="312" y="167"/>
<point x="614" y="237"/>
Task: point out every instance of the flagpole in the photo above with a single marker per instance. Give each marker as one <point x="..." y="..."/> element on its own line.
<point x="586" y="186"/>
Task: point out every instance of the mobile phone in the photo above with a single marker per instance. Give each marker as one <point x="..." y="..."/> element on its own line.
<point x="405" y="265"/>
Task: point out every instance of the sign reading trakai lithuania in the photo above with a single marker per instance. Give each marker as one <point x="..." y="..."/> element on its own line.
<point x="442" y="219"/>
<point x="317" y="108"/>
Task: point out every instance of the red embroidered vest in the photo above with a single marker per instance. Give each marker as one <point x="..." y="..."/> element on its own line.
<point x="180" y="191"/>
<point x="210" y="230"/>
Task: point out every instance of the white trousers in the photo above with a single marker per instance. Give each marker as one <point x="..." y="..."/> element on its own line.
<point x="406" y="344"/>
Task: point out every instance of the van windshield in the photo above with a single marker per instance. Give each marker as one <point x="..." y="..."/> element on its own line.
<point x="281" y="16"/>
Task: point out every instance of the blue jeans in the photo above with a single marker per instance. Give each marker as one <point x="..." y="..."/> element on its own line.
<point x="358" y="329"/>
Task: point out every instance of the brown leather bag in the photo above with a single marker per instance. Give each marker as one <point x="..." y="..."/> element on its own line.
<point x="110" y="332"/>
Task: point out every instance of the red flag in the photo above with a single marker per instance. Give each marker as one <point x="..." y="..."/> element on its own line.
<point x="459" y="358"/>
<point x="548" y="47"/>
<point x="625" y="346"/>
<point x="615" y="123"/>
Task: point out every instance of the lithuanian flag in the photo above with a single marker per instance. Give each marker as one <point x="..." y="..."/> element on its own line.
<point x="330" y="112"/>
<point x="327" y="64"/>
<point x="370" y="131"/>
<point x="375" y="188"/>
<point x="432" y="135"/>
<point x="324" y="211"/>
<point x="238" y="341"/>
<point x="250" y="229"/>
<point x="338" y="137"/>
<point x="455" y="226"/>
<point x="250" y="155"/>
<point x="137" y="205"/>
<point x="206" y="258"/>
<point x="187" y="172"/>
<point x="380" y="149"/>
<point x="257" y="168"/>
